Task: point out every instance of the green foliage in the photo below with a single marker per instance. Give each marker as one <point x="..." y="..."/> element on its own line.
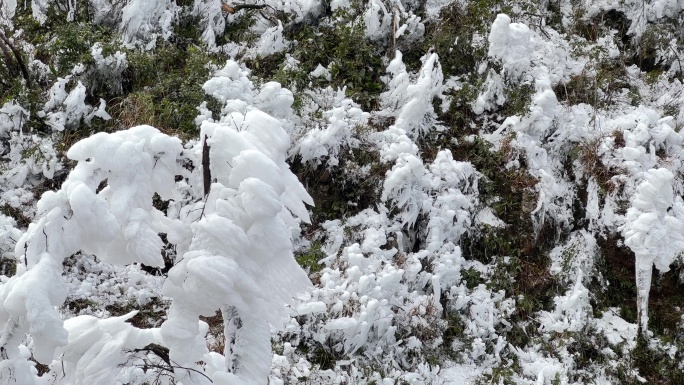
<point x="507" y="190"/>
<point x="518" y="99"/>
<point x="186" y="31"/>
<point x="666" y="298"/>
<point x="454" y="325"/>
<point x="160" y="87"/>
<point x="502" y="374"/>
<point x="459" y="35"/>
<point x="471" y="277"/>
<point x="518" y="256"/>
<point x="16" y="214"/>
<point x="29" y="97"/>
<point x="616" y="287"/>
<point x="321" y="356"/>
<point x="652" y="77"/>
<point x="585" y="348"/>
<point x="460" y="113"/>
<point x="655" y="364"/>
<point x="354" y="62"/>
<point x="165" y="88"/>
<point x="606" y="77"/>
<point x="69" y="44"/>
<point x="61" y="46"/>
<point x="56" y="16"/>
<point x="655" y="40"/>
<point x="310" y="259"/>
<point x="238" y="31"/>
<point x="343" y="190"/>
<point x="520" y="333"/>
<point x="452" y="36"/>
<point x="579" y="89"/>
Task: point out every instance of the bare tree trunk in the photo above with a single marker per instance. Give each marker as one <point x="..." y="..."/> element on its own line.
<point x="248" y="346"/>
<point x="231" y="325"/>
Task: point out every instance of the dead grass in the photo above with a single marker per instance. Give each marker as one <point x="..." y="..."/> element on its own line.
<point x="136" y="109"/>
<point x="217" y="340"/>
<point x="593" y="165"/>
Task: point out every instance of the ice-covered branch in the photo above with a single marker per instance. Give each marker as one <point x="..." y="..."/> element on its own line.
<point x="654" y="230"/>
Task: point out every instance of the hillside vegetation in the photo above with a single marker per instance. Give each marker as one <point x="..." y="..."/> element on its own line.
<point x="493" y="183"/>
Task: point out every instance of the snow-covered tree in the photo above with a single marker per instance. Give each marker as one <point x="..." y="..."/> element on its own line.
<point x="233" y="245"/>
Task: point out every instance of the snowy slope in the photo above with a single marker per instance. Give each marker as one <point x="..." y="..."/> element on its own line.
<point x="344" y="192"/>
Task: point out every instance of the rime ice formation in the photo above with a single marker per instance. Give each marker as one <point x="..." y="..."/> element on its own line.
<point x="486" y="174"/>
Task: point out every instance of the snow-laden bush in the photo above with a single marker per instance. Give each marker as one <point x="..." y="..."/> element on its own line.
<point x="239" y="235"/>
<point x="13" y="116"/>
<point x="411" y="104"/>
<point x="66" y="110"/>
<point x="227" y="242"/>
<point x="108" y="70"/>
<point x="143" y="21"/>
<point x="344" y="121"/>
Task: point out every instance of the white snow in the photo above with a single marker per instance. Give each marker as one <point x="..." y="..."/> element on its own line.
<point x="394" y="276"/>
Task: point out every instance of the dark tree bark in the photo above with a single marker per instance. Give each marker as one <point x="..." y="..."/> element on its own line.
<point x="206" y="170"/>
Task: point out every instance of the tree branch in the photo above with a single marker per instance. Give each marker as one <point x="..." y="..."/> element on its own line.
<point x="231" y="9"/>
<point x="9" y="63"/>
<point x="206" y="171"/>
<point x="160" y="351"/>
<point x="17" y="56"/>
